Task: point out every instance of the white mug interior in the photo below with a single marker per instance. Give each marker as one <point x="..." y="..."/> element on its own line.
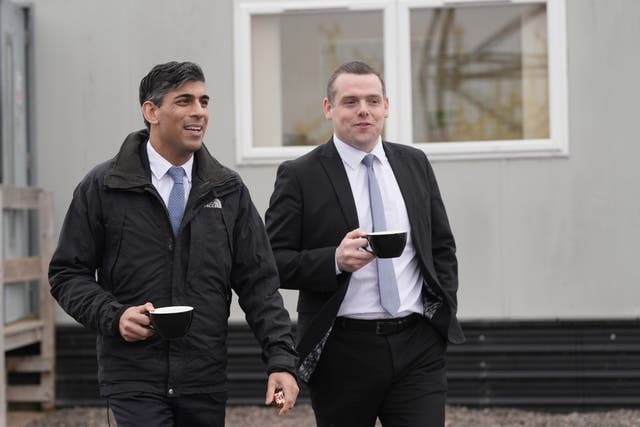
<point x="172" y="309"/>
<point x="384" y="233"/>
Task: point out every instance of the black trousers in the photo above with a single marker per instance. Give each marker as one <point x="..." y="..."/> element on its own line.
<point x="137" y="409"/>
<point x="399" y="377"/>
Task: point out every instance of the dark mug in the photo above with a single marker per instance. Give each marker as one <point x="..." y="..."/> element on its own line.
<point x="172" y="321"/>
<point x="386" y="244"/>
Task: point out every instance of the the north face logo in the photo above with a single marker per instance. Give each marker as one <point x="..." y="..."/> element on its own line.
<point x="215" y="203"/>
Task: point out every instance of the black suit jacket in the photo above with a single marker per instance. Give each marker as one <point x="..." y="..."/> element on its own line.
<point x="311" y="210"/>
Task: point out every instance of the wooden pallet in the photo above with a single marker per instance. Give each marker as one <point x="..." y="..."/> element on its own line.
<point x="26" y="332"/>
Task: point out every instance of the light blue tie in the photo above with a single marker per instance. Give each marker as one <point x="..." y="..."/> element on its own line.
<point x="389" y="296"/>
<point x="176" y="198"/>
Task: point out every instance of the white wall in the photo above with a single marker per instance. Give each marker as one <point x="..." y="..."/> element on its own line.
<point x="538" y="238"/>
<point x="560" y="238"/>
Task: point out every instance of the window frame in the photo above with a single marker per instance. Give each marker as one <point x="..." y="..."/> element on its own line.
<point x="397" y="73"/>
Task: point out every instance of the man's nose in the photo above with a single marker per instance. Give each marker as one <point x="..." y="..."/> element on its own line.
<point x="363" y="108"/>
<point x="198" y="110"/>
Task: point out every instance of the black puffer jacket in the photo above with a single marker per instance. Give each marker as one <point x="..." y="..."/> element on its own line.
<point x="118" y="226"/>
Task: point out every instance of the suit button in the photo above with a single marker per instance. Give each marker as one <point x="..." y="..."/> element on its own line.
<point x="170" y="245"/>
<point x="170" y="392"/>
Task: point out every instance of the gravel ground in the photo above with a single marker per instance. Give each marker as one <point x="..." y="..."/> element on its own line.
<point x="302" y="416"/>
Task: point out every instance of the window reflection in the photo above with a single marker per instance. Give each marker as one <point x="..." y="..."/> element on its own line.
<point x="479" y="73"/>
<point x="293" y="55"/>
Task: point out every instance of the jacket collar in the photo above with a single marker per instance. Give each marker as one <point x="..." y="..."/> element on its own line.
<point x="130" y="168"/>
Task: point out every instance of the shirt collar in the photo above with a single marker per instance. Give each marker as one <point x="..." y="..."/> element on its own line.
<point x="159" y="165"/>
<point x="352" y="156"/>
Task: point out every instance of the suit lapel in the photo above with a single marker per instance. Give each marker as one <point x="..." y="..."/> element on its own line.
<point x="333" y="166"/>
<point x="409" y="175"/>
<point x="406" y="180"/>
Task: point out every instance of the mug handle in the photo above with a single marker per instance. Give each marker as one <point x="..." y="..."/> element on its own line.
<point x="366" y="248"/>
<point x="150" y="326"/>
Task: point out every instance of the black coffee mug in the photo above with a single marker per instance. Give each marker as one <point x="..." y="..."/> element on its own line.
<point x="172" y="321"/>
<point x="387" y="244"/>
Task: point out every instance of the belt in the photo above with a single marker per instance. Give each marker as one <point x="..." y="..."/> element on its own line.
<point x="378" y="326"/>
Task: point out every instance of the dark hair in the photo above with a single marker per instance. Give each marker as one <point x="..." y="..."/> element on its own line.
<point x="353" y="67"/>
<point x="165" y="77"/>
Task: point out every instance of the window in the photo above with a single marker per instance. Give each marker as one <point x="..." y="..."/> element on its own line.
<point x="465" y="78"/>
<point x="292" y="54"/>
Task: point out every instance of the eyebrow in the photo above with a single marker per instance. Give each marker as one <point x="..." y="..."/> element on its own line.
<point x="190" y="96"/>
<point x="367" y="97"/>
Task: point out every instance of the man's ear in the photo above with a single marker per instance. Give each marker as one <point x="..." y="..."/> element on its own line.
<point x="327" y="107"/>
<point x="150" y="112"/>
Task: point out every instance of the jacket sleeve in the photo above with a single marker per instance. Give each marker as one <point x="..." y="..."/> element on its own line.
<point x="73" y="267"/>
<point x="300" y="268"/>
<point x="254" y="278"/>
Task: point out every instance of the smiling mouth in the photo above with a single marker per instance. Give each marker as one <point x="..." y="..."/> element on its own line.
<point x="195" y="131"/>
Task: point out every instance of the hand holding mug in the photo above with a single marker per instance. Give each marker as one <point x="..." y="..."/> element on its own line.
<point x="134" y="323"/>
<point x="349" y="254"/>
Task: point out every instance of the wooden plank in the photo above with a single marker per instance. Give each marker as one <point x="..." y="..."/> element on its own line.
<point x="28" y="364"/>
<point x="47" y="245"/>
<point x="22" y="333"/>
<point x="3" y="376"/>
<point x="22" y="269"/>
<point x="26" y="332"/>
<point x="21" y="326"/>
<point x="20" y="197"/>
<point x="27" y="393"/>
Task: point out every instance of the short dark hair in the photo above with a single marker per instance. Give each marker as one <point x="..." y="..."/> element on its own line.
<point x="165" y="77"/>
<point x="353" y="67"/>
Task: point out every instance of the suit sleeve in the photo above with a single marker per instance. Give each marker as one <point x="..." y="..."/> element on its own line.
<point x="300" y="267"/>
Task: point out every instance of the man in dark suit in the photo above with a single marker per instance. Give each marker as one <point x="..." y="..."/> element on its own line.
<point x="362" y="357"/>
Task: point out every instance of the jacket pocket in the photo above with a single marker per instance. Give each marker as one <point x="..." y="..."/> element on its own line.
<point x="112" y="245"/>
<point x="209" y="252"/>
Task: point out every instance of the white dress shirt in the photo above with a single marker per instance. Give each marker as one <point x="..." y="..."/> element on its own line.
<point x="161" y="179"/>
<point x="362" y="300"/>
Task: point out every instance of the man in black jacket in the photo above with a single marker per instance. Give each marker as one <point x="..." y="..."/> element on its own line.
<point x="133" y="240"/>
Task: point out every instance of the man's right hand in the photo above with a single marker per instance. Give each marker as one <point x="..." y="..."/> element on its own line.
<point x="350" y="255"/>
<point x="134" y="323"/>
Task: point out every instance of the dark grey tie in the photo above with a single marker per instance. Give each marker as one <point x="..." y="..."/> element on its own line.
<point x="389" y="296"/>
<point x="175" y="205"/>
